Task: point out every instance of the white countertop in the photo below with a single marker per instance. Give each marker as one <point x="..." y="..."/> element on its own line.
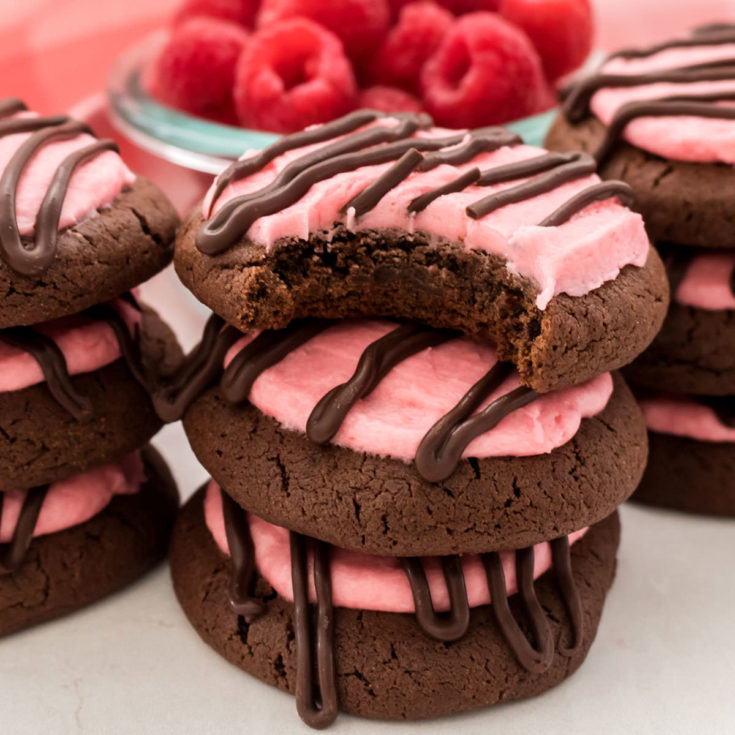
<point x="663" y="661"/>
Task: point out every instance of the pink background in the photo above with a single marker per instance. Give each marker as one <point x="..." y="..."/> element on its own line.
<point x="55" y="52"/>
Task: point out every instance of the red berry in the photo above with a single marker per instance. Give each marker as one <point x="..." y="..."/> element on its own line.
<point x="397" y="5"/>
<point x="484" y="72"/>
<point x="360" y="24"/>
<point x="561" y="30"/>
<point x="388" y="99"/>
<point x="237" y="11"/>
<point x="195" y="70"/>
<point x="460" y="7"/>
<point x="291" y="75"/>
<point x="409" y="44"/>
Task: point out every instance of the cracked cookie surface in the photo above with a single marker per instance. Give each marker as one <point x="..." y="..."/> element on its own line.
<point x="380" y="505"/>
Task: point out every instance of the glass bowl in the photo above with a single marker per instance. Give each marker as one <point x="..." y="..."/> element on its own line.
<point x="196" y="143"/>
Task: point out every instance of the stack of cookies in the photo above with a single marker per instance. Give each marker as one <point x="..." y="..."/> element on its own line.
<point x="405" y="403"/>
<point x="83" y="509"/>
<point x="662" y="119"/>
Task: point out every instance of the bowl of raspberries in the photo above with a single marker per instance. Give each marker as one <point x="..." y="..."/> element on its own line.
<point x="231" y="74"/>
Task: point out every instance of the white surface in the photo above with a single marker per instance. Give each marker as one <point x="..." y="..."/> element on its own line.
<point x="662" y="662"/>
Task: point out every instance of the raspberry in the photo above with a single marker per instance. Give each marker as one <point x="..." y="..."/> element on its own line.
<point x="388" y="99"/>
<point x="360" y="24"/>
<point x="561" y="30"/>
<point x="484" y="72"/>
<point x="418" y="33"/>
<point x="195" y="70"/>
<point x="460" y="7"/>
<point x="291" y="75"/>
<point x="236" y="11"/>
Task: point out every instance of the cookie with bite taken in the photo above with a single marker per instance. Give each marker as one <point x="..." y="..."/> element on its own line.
<point x="374" y="215"/>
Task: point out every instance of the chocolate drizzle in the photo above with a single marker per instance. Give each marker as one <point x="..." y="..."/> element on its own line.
<point x="34" y="258"/>
<point x="14" y="552"/>
<point x="577" y="98"/>
<point x="200" y="370"/>
<point x="535" y="660"/>
<point x="378" y="359"/>
<point x="11" y="106"/>
<point x="442" y="447"/>
<point x="562" y="562"/>
<point x="439" y="451"/>
<point x="266" y="350"/>
<point x="595" y="193"/>
<point x="242" y="554"/>
<point x="371" y="195"/>
<point x="374" y="146"/>
<point x="579" y="166"/>
<point x="53" y="365"/>
<point x="319" y="134"/>
<point x="449" y="627"/>
<point x="316" y="689"/>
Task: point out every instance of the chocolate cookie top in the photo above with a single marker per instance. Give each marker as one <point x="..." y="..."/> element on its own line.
<point x="661" y="119"/>
<point x="66" y="201"/>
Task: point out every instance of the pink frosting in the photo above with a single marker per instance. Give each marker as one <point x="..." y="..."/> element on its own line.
<point x="684" y="138"/>
<point x="706" y="283"/>
<point x="393" y="419"/>
<point x="86" y="345"/>
<point x="574" y="258"/>
<point x="683" y="416"/>
<point x="93" y="185"/>
<point x="77" y="499"/>
<point x="362" y="581"/>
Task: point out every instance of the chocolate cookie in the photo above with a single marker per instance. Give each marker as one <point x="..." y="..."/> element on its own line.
<point x="381" y="505"/>
<point x="689" y="475"/>
<point x="443" y="235"/>
<point x="693" y="353"/>
<point x="98" y="259"/>
<point x="385" y="665"/>
<point x="76" y="227"/>
<point x="684" y="191"/>
<point x="66" y="570"/>
<point x="41" y="440"/>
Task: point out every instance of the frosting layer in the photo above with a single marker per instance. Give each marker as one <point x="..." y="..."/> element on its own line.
<point x="682" y="416"/>
<point x="361" y="581"/>
<point x="681" y="137"/>
<point x="75" y="500"/>
<point x="94" y="184"/>
<point x="573" y="258"/>
<point x="87" y="345"/>
<point x="393" y="419"/>
<point x="707" y="282"/>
